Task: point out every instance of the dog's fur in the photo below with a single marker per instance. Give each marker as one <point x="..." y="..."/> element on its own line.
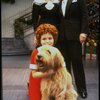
<point x="57" y="86"/>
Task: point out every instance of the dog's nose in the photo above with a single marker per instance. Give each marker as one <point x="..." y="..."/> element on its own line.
<point x="39" y="56"/>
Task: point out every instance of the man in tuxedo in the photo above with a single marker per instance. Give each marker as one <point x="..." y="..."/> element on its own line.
<point x="73" y="32"/>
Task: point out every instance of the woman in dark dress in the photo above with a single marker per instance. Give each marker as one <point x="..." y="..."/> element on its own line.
<point x="45" y="11"/>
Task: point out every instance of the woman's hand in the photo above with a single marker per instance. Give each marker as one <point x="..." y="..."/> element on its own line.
<point x="35" y="41"/>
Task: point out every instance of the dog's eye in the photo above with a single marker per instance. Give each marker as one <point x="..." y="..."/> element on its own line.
<point x="48" y="51"/>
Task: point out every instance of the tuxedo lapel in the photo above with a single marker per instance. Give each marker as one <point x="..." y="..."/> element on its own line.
<point x="60" y="7"/>
<point x="67" y="6"/>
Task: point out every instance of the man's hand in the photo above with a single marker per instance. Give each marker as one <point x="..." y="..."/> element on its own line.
<point x="82" y="37"/>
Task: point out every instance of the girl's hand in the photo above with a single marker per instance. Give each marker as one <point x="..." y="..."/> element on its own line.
<point x="48" y="73"/>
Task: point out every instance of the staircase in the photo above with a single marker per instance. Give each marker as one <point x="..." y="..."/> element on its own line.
<point x="12" y="46"/>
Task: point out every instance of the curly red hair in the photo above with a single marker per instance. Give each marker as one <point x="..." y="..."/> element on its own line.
<point x="44" y="29"/>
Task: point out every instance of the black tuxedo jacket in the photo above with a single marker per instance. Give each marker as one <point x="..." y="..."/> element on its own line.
<point x="75" y="20"/>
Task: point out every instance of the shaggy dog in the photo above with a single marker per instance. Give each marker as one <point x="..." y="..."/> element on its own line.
<point x="58" y="85"/>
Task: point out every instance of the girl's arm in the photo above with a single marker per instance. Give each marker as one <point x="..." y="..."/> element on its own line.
<point x="42" y="74"/>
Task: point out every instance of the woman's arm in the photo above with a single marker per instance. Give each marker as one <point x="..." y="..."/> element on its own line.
<point x="35" y="15"/>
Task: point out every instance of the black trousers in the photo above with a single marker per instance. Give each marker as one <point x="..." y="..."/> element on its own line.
<point x="72" y="52"/>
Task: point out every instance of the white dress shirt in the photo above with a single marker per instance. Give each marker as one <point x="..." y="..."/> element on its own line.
<point x="63" y="6"/>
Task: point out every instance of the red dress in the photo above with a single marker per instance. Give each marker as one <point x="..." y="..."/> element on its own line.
<point x="34" y="83"/>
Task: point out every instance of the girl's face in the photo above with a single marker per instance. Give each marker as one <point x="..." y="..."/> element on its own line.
<point x="47" y="39"/>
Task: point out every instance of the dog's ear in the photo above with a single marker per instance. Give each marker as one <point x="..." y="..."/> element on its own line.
<point x="58" y="60"/>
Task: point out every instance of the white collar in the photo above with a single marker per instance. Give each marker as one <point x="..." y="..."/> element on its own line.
<point x="39" y="2"/>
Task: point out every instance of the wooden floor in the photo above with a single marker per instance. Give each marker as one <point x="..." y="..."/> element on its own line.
<point x="15" y="75"/>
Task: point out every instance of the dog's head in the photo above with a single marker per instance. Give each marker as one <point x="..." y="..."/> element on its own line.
<point x="49" y="57"/>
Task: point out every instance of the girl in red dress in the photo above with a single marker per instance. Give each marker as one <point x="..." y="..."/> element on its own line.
<point x="45" y="34"/>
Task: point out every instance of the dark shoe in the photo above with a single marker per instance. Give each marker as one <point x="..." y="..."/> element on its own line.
<point x="83" y="94"/>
